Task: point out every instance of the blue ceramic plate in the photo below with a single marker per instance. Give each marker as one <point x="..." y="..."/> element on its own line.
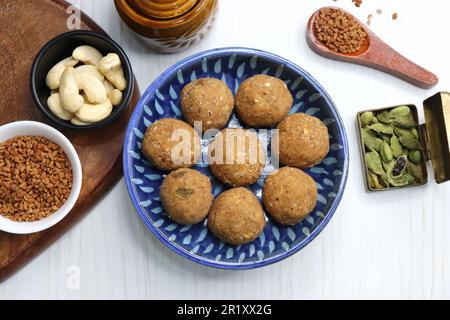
<point x="161" y="100"/>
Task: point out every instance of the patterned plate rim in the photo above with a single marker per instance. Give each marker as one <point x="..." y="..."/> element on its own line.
<point x="135" y="117"/>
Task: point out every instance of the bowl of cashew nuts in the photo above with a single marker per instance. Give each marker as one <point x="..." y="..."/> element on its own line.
<point x="82" y="80"/>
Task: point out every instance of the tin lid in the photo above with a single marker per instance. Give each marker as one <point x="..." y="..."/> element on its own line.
<point x="436" y="132"/>
<point x="162" y="9"/>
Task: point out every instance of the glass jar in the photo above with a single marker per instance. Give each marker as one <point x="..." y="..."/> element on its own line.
<point x="168" y="25"/>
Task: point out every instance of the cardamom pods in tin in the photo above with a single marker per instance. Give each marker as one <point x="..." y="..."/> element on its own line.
<point x="386" y="153"/>
<point x="393" y="149"/>
<point x="382" y="128"/>
<point x="374" y="163"/>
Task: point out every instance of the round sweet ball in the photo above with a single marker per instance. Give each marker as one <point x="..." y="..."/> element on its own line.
<point x="171" y="144"/>
<point x="207" y="100"/>
<point x="289" y="195"/>
<point x="236" y="217"/>
<point x="263" y="101"/>
<point x="303" y="141"/>
<point x="237" y="157"/>
<point x="186" y="195"/>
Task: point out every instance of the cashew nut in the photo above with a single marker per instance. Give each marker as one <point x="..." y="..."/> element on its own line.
<point x="71" y="100"/>
<point x="78" y="122"/>
<point x="115" y="95"/>
<point x="54" y="75"/>
<point x="92" y="113"/>
<point x="89" y="69"/>
<point x="88" y="55"/>
<point x="93" y="88"/>
<point x="54" y="104"/>
<point x="111" y="67"/>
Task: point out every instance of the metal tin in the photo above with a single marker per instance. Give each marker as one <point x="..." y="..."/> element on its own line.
<point x="433" y="136"/>
<point x="436" y="131"/>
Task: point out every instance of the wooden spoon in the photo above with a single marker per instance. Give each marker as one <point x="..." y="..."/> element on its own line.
<point x="375" y="53"/>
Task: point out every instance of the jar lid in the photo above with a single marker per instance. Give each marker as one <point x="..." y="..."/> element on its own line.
<point x="161" y="9"/>
<point x="436" y="133"/>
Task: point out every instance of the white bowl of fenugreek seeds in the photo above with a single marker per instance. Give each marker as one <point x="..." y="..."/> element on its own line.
<point x="40" y="177"/>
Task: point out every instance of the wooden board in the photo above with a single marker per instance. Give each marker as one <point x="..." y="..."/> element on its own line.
<point x="26" y="26"/>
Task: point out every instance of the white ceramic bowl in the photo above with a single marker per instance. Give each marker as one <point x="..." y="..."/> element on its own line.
<point x="31" y="128"/>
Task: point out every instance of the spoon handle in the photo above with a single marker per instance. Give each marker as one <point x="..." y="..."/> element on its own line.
<point x="381" y="56"/>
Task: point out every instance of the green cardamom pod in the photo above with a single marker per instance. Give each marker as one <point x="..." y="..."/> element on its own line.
<point x="386" y="138"/>
<point x="375" y="120"/>
<point x="400" y="166"/>
<point x="374" y="163"/>
<point x="396" y="147"/>
<point x="381" y="128"/>
<point x="389" y="166"/>
<point x="404" y="133"/>
<point x="410" y="143"/>
<point x="386" y="153"/>
<point x="366" y="119"/>
<point x="384" y="117"/>
<point x="416" y="171"/>
<point x="400" y="181"/>
<point x="415" y="133"/>
<point x="406" y="122"/>
<point x="410" y="178"/>
<point x="384" y="180"/>
<point x="374" y="181"/>
<point x="415" y="156"/>
<point x="400" y="112"/>
<point x="370" y="142"/>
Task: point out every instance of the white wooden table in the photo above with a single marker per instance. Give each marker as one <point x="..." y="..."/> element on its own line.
<point x="385" y="245"/>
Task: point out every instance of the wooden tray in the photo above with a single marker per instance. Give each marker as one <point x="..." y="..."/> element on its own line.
<point x="26" y="26"/>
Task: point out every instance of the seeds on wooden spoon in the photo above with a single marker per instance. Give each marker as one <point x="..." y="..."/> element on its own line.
<point x="339" y="31"/>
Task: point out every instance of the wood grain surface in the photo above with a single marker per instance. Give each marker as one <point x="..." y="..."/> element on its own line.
<point x="25" y="27"/>
<point x="375" y="53"/>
